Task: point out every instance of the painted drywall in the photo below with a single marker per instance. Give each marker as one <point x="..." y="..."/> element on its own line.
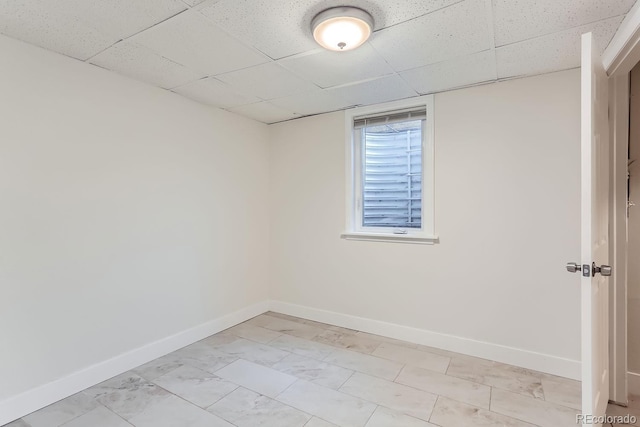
<point x="633" y="266"/>
<point x="507" y="214"/>
<point x="127" y="214"/>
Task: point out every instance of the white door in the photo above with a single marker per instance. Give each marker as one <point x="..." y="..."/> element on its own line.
<point x="594" y="232"/>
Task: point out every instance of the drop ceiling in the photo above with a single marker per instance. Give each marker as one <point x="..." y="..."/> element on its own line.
<point x="257" y="58"/>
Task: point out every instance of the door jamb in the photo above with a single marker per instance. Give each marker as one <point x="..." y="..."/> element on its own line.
<point x="623" y="52"/>
<point x="619" y="136"/>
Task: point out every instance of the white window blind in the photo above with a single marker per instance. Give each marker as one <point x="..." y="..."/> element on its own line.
<point x="391" y="118"/>
<point x="392" y="156"/>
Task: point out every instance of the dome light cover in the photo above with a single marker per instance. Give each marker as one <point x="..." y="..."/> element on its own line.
<point x="342" y="28"/>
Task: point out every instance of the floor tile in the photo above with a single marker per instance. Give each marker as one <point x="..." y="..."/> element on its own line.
<point x="381" y="338"/>
<point x="128" y="394"/>
<point x="399" y="397"/>
<point x="634" y="401"/>
<point x="506" y="377"/>
<point x="616" y="410"/>
<point x="455" y="388"/>
<point x="343" y="330"/>
<point x="302" y="347"/>
<point x="413" y="357"/>
<point x="203" y="356"/>
<point x="299" y="320"/>
<point x="62" y="411"/>
<point x="348" y="341"/>
<point x="562" y="391"/>
<point x="284" y="326"/>
<point x="256" y="377"/>
<point x="174" y="412"/>
<point x="284" y="316"/>
<point x="195" y="385"/>
<point x="446" y="353"/>
<point x="158" y="367"/>
<point x="317" y="422"/>
<point x="450" y="413"/>
<point x="532" y="410"/>
<point x="365" y="363"/>
<point x="253" y="333"/>
<point x="218" y="339"/>
<point x="384" y="417"/>
<point x="23" y="423"/>
<point x="253" y="351"/>
<point x="312" y="370"/>
<point x="245" y="408"/>
<point x="330" y="405"/>
<point x="99" y="417"/>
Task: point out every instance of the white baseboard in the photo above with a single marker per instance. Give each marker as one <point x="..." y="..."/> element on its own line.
<point x="44" y="395"/>
<point x="513" y="356"/>
<point x="633" y="383"/>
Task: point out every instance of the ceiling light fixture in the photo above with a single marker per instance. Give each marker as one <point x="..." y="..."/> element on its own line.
<point x="342" y="28"/>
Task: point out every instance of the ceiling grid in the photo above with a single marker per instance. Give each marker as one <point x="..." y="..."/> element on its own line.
<point x="258" y="58"/>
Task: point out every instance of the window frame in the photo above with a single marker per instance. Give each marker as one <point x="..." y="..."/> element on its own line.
<point x="354" y="163"/>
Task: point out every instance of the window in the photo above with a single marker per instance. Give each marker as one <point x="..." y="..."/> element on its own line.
<point x="390" y="193"/>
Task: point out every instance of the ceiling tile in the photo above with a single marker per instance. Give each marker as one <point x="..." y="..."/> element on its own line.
<point x="458" y="72"/>
<point x="192" y="40"/>
<point x="517" y="20"/>
<point x="326" y="68"/>
<point x="384" y="89"/>
<point x="281" y="29"/>
<point x="264" y="112"/>
<point x="273" y="27"/>
<point x="215" y="93"/>
<point x="457" y="30"/>
<point x="196" y="2"/>
<point x="396" y="11"/>
<point x="81" y="28"/>
<point x="39" y="22"/>
<point x="143" y="64"/>
<point x="266" y="81"/>
<point x="554" y="52"/>
<point x="313" y="102"/>
<point x="121" y="18"/>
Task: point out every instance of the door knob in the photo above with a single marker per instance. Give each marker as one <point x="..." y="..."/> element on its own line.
<point x="573" y="267"/>
<point x="587" y="271"/>
<point x="605" y="270"/>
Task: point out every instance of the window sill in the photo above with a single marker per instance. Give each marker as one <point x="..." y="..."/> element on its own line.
<point x="392" y="238"/>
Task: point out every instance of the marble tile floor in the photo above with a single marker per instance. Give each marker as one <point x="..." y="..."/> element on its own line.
<point x="280" y="371"/>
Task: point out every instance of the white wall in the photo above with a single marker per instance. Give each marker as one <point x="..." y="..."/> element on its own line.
<point x="127" y="214"/>
<point x="507" y="213"/>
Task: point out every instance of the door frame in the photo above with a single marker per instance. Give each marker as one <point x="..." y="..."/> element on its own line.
<point x="619" y="58"/>
<point x="619" y="137"/>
